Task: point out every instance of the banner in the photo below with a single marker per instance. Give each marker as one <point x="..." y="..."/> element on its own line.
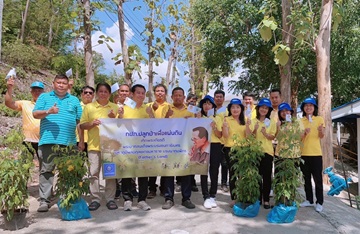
<point x="155" y="147"/>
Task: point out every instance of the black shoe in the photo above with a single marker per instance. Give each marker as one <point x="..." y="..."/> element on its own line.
<point x="94" y="205"/>
<point x="167" y="205"/>
<point x="194" y="188"/>
<point x="151" y="195"/>
<point x="188" y="204"/>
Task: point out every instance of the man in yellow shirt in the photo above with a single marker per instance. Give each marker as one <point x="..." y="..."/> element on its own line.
<point x="31" y="126"/>
<point x="275" y="98"/>
<point x="178" y="110"/>
<point x="249" y="100"/>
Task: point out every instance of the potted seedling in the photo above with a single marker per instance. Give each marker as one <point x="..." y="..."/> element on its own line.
<point x="72" y="182"/>
<point x="15" y="165"/>
<point x="247" y="155"/>
<point x="287" y="176"/>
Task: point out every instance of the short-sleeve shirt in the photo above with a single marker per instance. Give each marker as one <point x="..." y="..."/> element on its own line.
<point x="85" y="131"/>
<point x="31" y="126"/>
<point x="253" y="112"/>
<point x="180" y="113"/>
<point x="137" y="113"/>
<point x="58" y="128"/>
<point x="271" y="130"/>
<point x="94" y="111"/>
<point x="161" y="110"/>
<point x="218" y="123"/>
<point x="235" y="129"/>
<point x="311" y="142"/>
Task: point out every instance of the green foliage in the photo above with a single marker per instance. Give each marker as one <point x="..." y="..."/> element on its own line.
<point x="28" y="57"/>
<point x="288" y="175"/>
<point x="72" y="167"/>
<point x="15" y="165"/>
<point x="247" y="155"/>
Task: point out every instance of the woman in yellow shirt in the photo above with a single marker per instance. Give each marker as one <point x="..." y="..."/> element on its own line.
<point x="233" y="125"/>
<point x="264" y="131"/>
<point x="207" y="104"/>
<point x="311" y="153"/>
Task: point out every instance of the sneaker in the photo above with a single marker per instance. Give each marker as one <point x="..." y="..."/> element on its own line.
<point x="43" y="207"/>
<point x="151" y="195"/>
<point x="271" y="193"/>
<point x="224" y="188"/>
<point x="194" y="188"/>
<point x="213" y="202"/>
<point x="306" y="204"/>
<point x="319" y="208"/>
<point x="188" y="204"/>
<point x="167" y="205"/>
<point x="144" y="206"/>
<point x="207" y="203"/>
<point x="128" y="205"/>
<point x="178" y="188"/>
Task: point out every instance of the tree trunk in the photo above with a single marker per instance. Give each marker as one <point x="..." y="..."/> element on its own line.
<point x="23" y="23"/>
<point x="322" y="46"/>
<point x="168" y="70"/>
<point x="87" y="45"/>
<point x="1" y="19"/>
<point x="193" y="58"/>
<point x="205" y="84"/>
<point x="287" y="39"/>
<point x="151" y="53"/>
<point x="124" y="48"/>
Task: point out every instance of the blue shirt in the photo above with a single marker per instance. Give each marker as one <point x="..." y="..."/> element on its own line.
<point x="58" y="128"/>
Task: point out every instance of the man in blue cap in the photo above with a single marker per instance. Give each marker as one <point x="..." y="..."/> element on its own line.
<point x="31" y="126"/>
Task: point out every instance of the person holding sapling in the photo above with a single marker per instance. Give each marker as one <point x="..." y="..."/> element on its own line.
<point x="234" y="124"/>
<point x="311" y="153"/>
<point x="264" y="131"/>
<point x="208" y="110"/>
<point x="101" y="108"/>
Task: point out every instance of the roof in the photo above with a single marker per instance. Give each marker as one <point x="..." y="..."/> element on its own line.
<point x="346" y="111"/>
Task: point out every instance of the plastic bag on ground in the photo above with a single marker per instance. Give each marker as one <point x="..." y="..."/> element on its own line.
<point x="249" y="211"/>
<point x="282" y="214"/>
<point x="78" y="210"/>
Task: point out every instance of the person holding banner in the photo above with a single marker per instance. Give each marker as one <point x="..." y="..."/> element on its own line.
<point x="178" y="110"/>
<point x="140" y="111"/>
<point x="208" y="110"/>
<point x="264" y="131"/>
<point x="101" y="108"/>
<point x="160" y="108"/>
<point x="233" y="125"/>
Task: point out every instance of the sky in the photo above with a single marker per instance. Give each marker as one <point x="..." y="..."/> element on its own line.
<point x="134" y="24"/>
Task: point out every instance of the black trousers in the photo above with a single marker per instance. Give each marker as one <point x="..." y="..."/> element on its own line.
<point x="265" y="170"/>
<point x="216" y="156"/>
<point x="185" y="187"/>
<point x="230" y="164"/>
<point x="312" y="166"/>
<point x="153" y="185"/>
<point x="127" y="187"/>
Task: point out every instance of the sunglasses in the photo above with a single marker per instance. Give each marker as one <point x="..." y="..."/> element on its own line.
<point x="88" y="92"/>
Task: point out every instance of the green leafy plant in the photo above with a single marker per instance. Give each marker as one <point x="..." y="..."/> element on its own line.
<point x="288" y="175"/>
<point x="247" y="155"/>
<point x="15" y="165"/>
<point x="72" y="168"/>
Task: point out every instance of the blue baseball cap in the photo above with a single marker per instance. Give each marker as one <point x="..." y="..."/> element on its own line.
<point x="308" y="101"/>
<point x="207" y="97"/>
<point x="236" y="101"/>
<point x="265" y="102"/>
<point x="37" y="84"/>
<point x="285" y="106"/>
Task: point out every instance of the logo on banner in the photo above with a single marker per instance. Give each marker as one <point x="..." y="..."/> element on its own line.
<point x="109" y="169"/>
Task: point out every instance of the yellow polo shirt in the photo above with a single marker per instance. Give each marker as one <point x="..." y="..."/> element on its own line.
<point x="85" y="131"/>
<point x="311" y="143"/>
<point x="94" y="111"/>
<point x="253" y="112"/>
<point x="271" y="130"/>
<point x="218" y="123"/>
<point x="234" y="129"/>
<point x="31" y="126"/>
<point x="137" y="113"/>
<point x="161" y="110"/>
<point x="180" y="113"/>
<point x="274" y="115"/>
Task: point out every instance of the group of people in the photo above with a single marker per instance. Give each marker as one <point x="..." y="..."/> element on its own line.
<point x="59" y="118"/>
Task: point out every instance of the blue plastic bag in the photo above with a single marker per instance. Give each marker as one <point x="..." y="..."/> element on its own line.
<point x="250" y="211"/>
<point x="282" y="214"/>
<point x="78" y="210"/>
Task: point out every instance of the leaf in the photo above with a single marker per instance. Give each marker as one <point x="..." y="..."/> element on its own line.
<point x="265" y="33"/>
<point x="162" y="28"/>
<point x="281" y="57"/>
<point x="147" y="33"/>
<point x="100" y="41"/>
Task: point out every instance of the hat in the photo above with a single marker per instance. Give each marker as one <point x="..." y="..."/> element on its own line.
<point x="285" y="106"/>
<point x="265" y="102"/>
<point x="207" y="97"/>
<point x="236" y="101"/>
<point x="37" y="84"/>
<point x="308" y="101"/>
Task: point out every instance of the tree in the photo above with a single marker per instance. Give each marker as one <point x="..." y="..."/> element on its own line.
<point x="24" y="18"/>
<point x="87" y="44"/>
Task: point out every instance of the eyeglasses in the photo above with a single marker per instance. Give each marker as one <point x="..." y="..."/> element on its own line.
<point x="88" y="92"/>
